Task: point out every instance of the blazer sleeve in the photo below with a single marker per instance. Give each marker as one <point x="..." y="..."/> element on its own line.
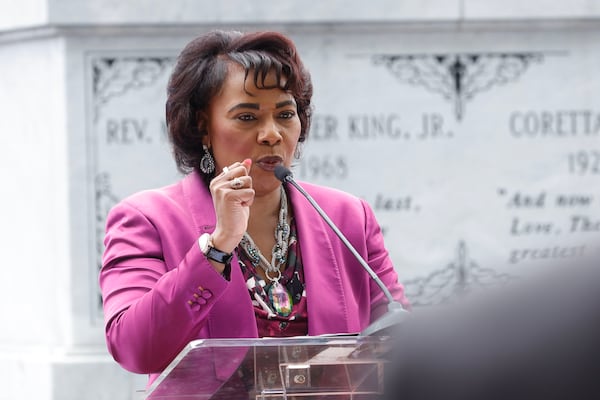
<point x="379" y="260"/>
<point x="152" y="310"/>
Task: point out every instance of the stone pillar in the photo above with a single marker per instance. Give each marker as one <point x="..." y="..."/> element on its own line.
<point x="82" y="125"/>
<point x="51" y="344"/>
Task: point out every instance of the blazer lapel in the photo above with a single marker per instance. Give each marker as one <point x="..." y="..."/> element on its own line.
<point x="327" y="311"/>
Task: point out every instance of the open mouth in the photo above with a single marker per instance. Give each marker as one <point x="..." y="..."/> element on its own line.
<point x="269" y="162"/>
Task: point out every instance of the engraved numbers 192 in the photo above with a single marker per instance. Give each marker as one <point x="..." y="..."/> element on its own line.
<point x="584" y="162"/>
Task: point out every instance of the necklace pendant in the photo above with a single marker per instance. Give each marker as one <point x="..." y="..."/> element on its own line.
<point x="280" y="299"/>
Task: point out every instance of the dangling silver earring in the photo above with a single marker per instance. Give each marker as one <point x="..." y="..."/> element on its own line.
<point x="207" y="162"/>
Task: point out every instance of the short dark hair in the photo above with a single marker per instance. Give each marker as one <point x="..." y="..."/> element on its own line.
<point x="201" y="70"/>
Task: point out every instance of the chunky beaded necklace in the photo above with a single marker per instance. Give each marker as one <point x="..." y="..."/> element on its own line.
<point x="279" y="297"/>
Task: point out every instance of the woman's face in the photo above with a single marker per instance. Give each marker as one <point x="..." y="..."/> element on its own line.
<point x="247" y="122"/>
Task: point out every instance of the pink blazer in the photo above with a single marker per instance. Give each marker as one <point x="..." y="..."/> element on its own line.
<point x="152" y="267"/>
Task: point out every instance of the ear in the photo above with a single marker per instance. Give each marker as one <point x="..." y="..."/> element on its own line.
<point x="202" y="125"/>
<point x="298" y="150"/>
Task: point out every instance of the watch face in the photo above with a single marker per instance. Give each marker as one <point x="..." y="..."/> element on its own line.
<point x="204" y="245"/>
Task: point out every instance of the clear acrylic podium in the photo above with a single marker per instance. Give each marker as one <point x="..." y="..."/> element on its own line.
<point x="322" y="367"/>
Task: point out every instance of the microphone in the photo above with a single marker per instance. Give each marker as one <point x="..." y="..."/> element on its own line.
<point x="396" y="312"/>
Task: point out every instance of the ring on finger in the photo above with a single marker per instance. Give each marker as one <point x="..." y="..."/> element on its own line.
<point x="236" y="183"/>
<point x="225" y="170"/>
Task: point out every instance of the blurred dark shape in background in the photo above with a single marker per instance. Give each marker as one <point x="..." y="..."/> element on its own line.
<point x="535" y="339"/>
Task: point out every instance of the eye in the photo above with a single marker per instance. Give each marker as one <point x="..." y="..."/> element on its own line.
<point x="246" y="117"/>
<point x="287" y="114"/>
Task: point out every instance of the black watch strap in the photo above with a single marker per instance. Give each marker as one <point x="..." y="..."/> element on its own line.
<point x="212" y="253"/>
<point x="219" y="256"/>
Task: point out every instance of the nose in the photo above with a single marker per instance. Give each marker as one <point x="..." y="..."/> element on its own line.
<point x="269" y="133"/>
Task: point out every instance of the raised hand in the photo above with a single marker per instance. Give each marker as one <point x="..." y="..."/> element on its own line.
<point x="232" y="194"/>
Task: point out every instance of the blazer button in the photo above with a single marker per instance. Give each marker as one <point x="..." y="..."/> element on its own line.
<point x="195" y="306"/>
<point x="201" y="300"/>
<point x="207" y="294"/>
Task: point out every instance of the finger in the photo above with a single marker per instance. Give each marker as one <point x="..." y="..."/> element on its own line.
<point x="247" y="201"/>
<point x="231" y="183"/>
<point x="234" y="169"/>
<point x="236" y="183"/>
<point x="247" y="163"/>
<point x="244" y="196"/>
<point x="228" y="170"/>
<point x="227" y="197"/>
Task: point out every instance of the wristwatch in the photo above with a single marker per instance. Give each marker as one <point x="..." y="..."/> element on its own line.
<point x="210" y="252"/>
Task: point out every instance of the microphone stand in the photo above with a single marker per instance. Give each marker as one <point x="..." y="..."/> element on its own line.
<point x="396" y="312"/>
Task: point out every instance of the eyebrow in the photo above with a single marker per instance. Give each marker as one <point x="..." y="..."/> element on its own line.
<point x="253" y="106"/>
<point x="256" y="106"/>
<point x="285" y="103"/>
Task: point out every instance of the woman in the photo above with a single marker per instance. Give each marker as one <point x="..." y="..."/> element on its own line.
<point x="226" y="252"/>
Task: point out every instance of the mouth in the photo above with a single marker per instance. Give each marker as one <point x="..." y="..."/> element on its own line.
<point x="268" y="163"/>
